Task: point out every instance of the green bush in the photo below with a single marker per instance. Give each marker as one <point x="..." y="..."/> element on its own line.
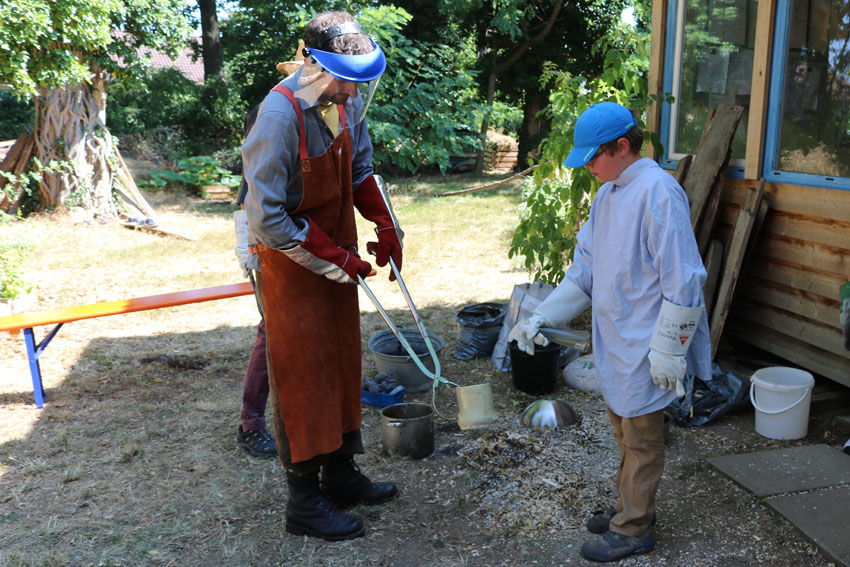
<point x="193" y="173"/>
<point x="206" y="118"/>
<point x="12" y="256"/>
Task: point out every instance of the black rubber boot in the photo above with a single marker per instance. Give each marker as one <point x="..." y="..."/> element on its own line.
<point x="311" y="512"/>
<point x="346" y="485"/>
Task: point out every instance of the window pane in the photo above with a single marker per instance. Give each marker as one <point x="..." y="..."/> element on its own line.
<point x="815" y="129"/>
<point x="717" y="68"/>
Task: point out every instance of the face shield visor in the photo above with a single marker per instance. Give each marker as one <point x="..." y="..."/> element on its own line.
<point x="336" y="78"/>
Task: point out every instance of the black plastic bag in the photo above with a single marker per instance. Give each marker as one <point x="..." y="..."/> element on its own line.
<point x="478" y="329"/>
<point x="723" y="393"/>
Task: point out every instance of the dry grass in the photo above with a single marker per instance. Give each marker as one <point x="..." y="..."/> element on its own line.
<point x="132" y="462"/>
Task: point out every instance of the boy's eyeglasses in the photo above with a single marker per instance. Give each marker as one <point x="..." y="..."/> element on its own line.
<point x="598" y="153"/>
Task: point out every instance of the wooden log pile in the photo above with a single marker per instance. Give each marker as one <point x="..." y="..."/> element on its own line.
<point x="702" y="177"/>
<point x="16" y="162"/>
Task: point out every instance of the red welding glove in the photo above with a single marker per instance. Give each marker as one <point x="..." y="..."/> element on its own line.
<point x="319" y="254"/>
<point x="371" y="204"/>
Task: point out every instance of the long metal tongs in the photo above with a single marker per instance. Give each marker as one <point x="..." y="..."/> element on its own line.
<point x="435" y="376"/>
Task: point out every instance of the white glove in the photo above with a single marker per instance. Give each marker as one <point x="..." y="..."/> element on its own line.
<point x="671" y="338"/>
<point x="558" y="310"/>
<point x="526" y="333"/>
<point x="243" y="254"/>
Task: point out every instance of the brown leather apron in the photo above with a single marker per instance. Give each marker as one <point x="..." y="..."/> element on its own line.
<point x="313" y="323"/>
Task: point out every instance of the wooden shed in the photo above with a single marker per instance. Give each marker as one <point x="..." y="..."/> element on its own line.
<point x="787" y="62"/>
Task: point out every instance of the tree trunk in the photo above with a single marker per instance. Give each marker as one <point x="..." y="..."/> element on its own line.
<point x="533" y="129"/>
<point x="210" y="39"/>
<point x="70" y="126"/>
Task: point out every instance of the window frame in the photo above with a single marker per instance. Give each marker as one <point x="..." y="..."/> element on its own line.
<point x="774" y="113"/>
<point x="779" y="45"/>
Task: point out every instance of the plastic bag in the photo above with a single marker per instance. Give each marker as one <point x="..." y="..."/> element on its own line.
<point x="720" y="395"/>
<point x="478" y="329"/>
<point x="524" y="299"/>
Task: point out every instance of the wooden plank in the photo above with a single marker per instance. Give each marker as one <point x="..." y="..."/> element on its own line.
<point x="799" y="328"/>
<point x="815" y="256"/>
<point x="705" y="226"/>
<point x="760" y="89"/>
<point x="16" y="162"/>
<point x="713" y="263"/>
<point x="732" y="265"/>
<point x="812" y="358"/>
<point x="682" y="168"/>
<point x="130" y="191"/>
<point x="658" y="33"/>
<point x="712" y="156"/>
<point x="756" y="234"/>
<point x="800" y="278"/>
<point x="813" y="229"/>
<point x="92" y="310"/>
<point x="814" y="307"/>
<point x="819" y="202"/>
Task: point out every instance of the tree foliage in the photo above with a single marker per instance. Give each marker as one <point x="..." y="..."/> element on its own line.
<point x="425" y="96"/>
<point x="557" y="200"/>
<point x="50" y="45"/>
<point x="62" y="53"/>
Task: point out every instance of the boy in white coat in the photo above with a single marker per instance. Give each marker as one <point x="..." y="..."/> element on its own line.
<point x="637" y="264"/>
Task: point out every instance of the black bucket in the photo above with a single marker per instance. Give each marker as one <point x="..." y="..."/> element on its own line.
<point x="535" y="374"/>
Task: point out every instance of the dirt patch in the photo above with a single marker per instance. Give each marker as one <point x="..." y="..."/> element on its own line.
<point x="133" y="460"/>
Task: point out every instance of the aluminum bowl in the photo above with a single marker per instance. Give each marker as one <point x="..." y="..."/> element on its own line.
<point x="548" y="412"/>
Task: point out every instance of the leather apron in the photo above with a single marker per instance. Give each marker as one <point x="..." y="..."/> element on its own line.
<point x="313" y="323"/>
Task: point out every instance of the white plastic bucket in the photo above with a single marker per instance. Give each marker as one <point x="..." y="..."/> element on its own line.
<point x="782" y="402"/>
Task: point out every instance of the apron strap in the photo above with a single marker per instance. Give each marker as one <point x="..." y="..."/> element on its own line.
<point x="302" y="136"/>
<point x="342" y="122"/>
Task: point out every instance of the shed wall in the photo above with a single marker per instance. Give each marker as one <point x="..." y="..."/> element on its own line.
<point x="786" y="301"/>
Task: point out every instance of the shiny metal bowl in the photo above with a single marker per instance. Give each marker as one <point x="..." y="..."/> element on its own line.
<point x="549" y="412"/>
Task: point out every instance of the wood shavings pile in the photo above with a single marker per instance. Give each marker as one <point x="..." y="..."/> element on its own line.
<point x="544" y="479"/>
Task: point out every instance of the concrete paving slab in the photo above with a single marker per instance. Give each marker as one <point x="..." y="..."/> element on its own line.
<point x="792" y="469"/>
<point x="822" y="516"/>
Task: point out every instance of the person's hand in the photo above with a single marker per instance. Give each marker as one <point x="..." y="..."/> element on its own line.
<point x="356" y="266"/>
<point x="526" y="333"/>
<point x="668" y="371"/>
<point x="388" y="246"/>
<point x="374" y="206"/>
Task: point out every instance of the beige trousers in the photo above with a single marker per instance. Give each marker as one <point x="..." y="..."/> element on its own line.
<point x="641" y="442"/>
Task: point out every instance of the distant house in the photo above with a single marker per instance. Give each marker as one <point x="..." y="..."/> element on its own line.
<point x="191" y="68"/>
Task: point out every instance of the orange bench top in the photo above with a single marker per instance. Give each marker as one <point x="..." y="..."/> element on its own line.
<point x="14" y="323"/>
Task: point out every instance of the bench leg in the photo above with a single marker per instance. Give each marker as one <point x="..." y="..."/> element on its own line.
<point x="35" y="371"/>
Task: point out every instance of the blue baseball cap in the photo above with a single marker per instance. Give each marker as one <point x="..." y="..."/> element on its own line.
<point x="601" y="123"/>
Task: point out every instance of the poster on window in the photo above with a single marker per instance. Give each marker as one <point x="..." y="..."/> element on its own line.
<point x="712" y="72"/>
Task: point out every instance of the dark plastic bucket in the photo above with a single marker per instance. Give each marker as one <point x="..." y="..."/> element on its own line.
<point x="535" y="374"/>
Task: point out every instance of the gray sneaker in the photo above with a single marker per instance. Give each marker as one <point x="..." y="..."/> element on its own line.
<point x="613" y="546"/>
<point x="601" y="519"/>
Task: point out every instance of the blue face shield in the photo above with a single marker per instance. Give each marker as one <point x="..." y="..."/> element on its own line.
<point x="343" y="79"/>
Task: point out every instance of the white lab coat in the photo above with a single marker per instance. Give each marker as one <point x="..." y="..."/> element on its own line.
<point x="636" y="249"/>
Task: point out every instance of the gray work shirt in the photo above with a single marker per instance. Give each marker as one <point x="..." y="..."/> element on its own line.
<point x="272" y="167"/>
<point x="636" y="249"/>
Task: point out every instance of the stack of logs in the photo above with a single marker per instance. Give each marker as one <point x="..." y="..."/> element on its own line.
<point x="702" y="177"/>
<point x="15" y="162"/>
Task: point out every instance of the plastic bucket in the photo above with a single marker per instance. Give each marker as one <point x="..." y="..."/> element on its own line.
<point x="781" y="397"/>
<point x="391" y="357"/>
<point x="535" y="374"/>
<point x="407" y="430"/>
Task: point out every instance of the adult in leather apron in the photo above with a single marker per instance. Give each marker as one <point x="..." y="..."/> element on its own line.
<point x="313" y="323"/>
<point x="307" y="287"/>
